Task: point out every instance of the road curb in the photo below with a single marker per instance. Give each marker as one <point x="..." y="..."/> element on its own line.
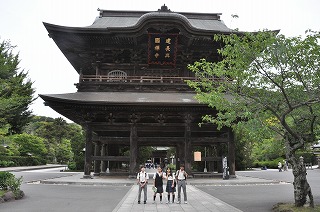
<point x="85" y="183"/>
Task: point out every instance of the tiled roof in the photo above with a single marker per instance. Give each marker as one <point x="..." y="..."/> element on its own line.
<point x="197" y="22"/>
<point x="122" y="98"/>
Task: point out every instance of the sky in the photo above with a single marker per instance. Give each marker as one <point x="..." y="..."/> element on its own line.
<point x="21" y="22"/>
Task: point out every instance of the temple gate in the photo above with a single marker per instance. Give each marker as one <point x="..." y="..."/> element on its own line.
<point x="132" y="87"/>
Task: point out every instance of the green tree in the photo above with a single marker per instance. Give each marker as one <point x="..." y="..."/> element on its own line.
<point x="77" y="145"/>
<point x="29" y="144"/>
<point x="64" y="152"/>
<point x="16" y="92"/>
<point x="248" y="135"/>
<point x="64" y="141"/>
<point x="268" y="149"/>
<point x="270" y="78"/>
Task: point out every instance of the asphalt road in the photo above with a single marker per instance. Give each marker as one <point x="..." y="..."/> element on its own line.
<point x="253" y="198"/>
<point x="47" y="198"/>
<point x="41" y="174"/>
<point x="248" y="198"/>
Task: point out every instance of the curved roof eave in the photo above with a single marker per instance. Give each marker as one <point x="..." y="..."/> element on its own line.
<point x="123" y="98"/>
<point x="145" y="19"/>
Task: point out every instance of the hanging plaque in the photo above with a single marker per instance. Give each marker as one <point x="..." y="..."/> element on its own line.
<point x="162" y="49"/>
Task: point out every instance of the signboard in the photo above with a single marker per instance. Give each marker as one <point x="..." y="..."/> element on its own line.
<point x="162" y="49"/>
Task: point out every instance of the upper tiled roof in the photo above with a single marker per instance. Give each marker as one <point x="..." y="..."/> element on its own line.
<point x="132" y="19"/>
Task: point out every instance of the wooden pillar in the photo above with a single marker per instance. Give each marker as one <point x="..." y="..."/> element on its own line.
<point x="97" y="163"/>
<point x="221" y="155"/>
<point x="187" y="144"/>
<point x="88" y="153"/>
<point x="103" y="153"/>
<point x="178" y="156"/>
<point x="210" y="164"/>
<point x="133" y="150"/>
<point x="231" y="154"/>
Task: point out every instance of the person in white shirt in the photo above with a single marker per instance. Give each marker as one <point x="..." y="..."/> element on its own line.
<point x="142" y="178"/>
<point x="171" y="184"/>
<point x="181" y="176"/>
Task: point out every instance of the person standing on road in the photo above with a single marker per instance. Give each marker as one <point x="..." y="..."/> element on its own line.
<point x="285" y="165"/>
<point x="171" y="184"/>
<point x="142" y="178"/>
<point x="181" y="176"/>
<point x="158" y="183"/>
<point x="280" y="166"/>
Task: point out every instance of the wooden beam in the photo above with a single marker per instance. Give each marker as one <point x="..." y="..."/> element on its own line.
<point x="161" y="141"/>
<point x="111" y="158"/>
<point x="211" y="158"/>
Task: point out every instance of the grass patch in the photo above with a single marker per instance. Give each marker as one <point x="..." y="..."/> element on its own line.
<point x="288" y="207"/>
<point x="2" y="192"/>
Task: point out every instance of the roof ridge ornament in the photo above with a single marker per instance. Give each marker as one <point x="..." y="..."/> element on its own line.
<point x="164" y="8"/>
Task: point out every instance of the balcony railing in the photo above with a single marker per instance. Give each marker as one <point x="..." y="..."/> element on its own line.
<point x="138" y="79"/>
<point x="134" y="79"/>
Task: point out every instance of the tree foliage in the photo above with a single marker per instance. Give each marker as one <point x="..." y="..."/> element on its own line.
<point x="63" y="141"/>
<point x="271" y="79"/>
<point x="29" y="144"/>
<point x="16" y="92"/>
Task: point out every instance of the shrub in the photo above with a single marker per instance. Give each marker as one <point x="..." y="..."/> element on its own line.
<point x="270" y="164"/>
<point x="6" y="163"/>
<point x="72" y="166"/>
<point x="14" y="185"/>
<point x="4" y="176"/>
<point x="9" y="182"/>
<point x="22" y="161"/>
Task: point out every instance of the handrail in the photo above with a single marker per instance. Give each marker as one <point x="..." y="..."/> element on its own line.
<point x="136" y="79"/>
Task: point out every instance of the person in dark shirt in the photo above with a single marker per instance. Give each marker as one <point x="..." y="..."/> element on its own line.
<point x="158" y="183"/>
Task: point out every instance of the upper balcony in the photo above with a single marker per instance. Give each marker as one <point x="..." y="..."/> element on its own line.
<point x="122" y="82"/>
<point x="118" y="80"/>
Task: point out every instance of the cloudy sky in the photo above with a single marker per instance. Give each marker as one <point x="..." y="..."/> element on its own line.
<point x="21" y="23"/>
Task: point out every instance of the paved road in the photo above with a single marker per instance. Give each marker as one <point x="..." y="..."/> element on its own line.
<point x="41" y="174"/>
<point x="252" y="198"/>
<point x="251" y="191"/>
<point x="61" y="198"/>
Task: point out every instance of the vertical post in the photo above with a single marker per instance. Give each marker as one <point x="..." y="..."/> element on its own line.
<point x="103" y="163"/>
<point x="205" y="162"/>
<point x="187" y="149"/>
<point x="133" y="150"/>
<point x="97" y="163"/>
<point x="80" y="75"/>
<point x="97" y="70"/>
<point x="231" y="153"/>
<point x="88" y="153"/>
<point x="178" y="156"/>
<point x="220" y="154"/>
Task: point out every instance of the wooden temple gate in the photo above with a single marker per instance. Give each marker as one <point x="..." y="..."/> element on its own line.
<point x="132" y="87"/>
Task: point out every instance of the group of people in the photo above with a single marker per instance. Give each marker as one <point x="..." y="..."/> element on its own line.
<point x="283" y="166"/>
<point x="174" y="180"/>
